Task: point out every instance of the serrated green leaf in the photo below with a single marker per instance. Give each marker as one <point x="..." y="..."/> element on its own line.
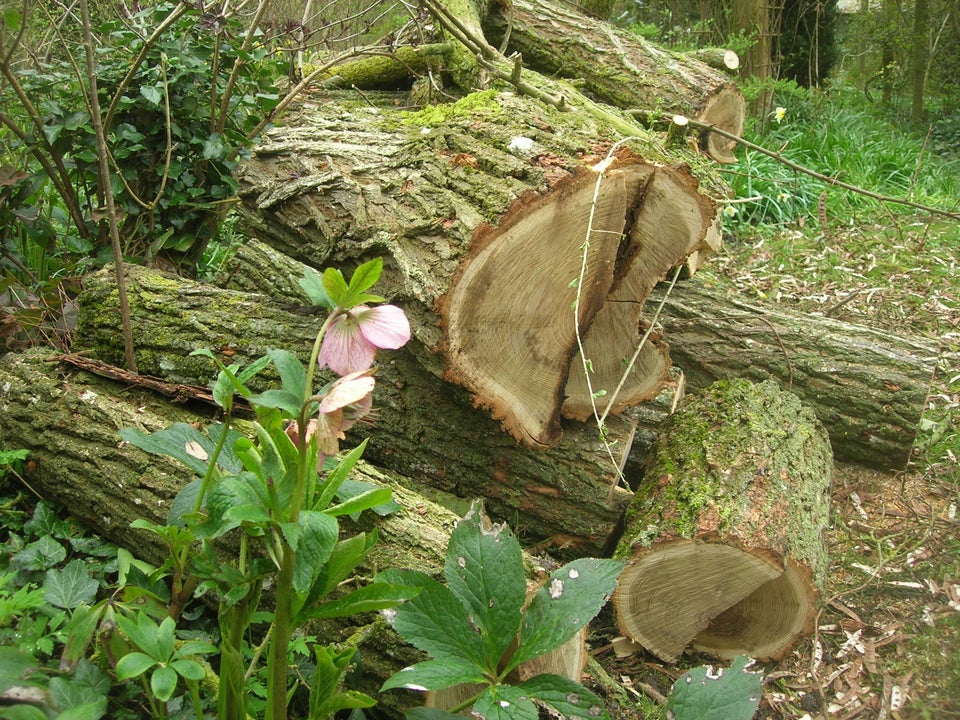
<point x="163" y="683"/>
<point x="569" y="600"/>
<point x="722" y="694"/>
<point x="293" y="376"/>
<point x="142" y="632"/>
<point x="376" y="596"/>
<point x="133" y="664"/>
<point x="312" y="284"/>
<point x="318" y="536"/>
<point x="435" y="621"/>
<point x="375" y="497"/>
<point x="505" y="702"/>
<point x="79" y="631"/>
<point x="484" y="570"/>
<point x="435" y="675"/>
<point x="566" y="696"/>
<point x="70" y="586"/>
<point x="336" y="477"/>
<point x="335" y="286"/>
<point x="189" y="669"/>
<point x="366" y="275"/>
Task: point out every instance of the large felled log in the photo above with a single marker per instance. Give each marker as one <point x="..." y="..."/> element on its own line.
<point x="726" y="534"/>
<point x="425" y="428"/>
<point x="70" y="420"/>
<point x="620" y="68"/>
<point x="490" y="210"/>
<point x="867" y="387"/>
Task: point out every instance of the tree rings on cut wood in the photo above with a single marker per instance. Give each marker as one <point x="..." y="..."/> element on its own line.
<point x="725" y="534"/>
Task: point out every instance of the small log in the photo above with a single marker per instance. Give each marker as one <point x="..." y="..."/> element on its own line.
<point x="620" y="68"/>
<point x="868" y="387"/>
<point x="426" y="429"/>
<point x="725" y="535"/>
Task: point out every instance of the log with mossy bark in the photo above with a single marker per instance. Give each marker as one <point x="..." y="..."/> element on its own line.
<point x="425" y="428"/>
<point x="70" y="421"/>
<point x="503" y="240"/>
<point x="725" y="536"/>
<point x="867" y="387"/>
<point x="621" y="68"/>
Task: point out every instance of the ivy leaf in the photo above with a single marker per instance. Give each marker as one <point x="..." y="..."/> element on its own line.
<point x="152" y="94"/>
<point x="41" y="554"/>
<point x="708" y="694"/>
<point x="484" y="569"/>
<point x="566" y="696"/>
<point x="435" y="621"/>
<point x="569" y="600"/>
<point x="71" y="586"/>
<point x="434" y="675"/>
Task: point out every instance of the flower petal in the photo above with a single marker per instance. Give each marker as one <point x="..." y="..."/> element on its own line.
<point x="344" y="348"/>
<point x="347" y="390"/>
<point x="386" y="326"/>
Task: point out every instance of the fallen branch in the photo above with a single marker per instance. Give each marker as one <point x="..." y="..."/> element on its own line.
<point x="807" y="171"/>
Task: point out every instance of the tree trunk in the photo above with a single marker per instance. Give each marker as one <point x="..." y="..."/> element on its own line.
<point x="725" y="536"/>
<point x="496" y="221"/>
<point x="425" y="428"/>
<point x="868" y="387"/>
<point x="620" y="68"/>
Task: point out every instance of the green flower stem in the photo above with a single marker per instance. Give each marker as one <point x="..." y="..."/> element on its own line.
<point x="283" y="622"/>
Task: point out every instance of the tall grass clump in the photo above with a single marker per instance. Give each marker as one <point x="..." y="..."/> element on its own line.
<point x="837" y="136"/>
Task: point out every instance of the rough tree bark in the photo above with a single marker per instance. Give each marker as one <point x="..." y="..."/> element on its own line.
<point x="725" y="536"/>
<point x="487" y="210"/>
<point x="425" y="428"/>
<point x="620" y="68"/>
<point x="868" y="387"/>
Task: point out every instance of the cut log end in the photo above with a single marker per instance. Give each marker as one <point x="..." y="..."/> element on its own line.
<point x="724" y="110"/>
<point x="566" y="270"/>
<point x="721" y="600"/>
<point x="725" y="535"/>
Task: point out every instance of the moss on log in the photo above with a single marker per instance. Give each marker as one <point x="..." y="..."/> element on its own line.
<point x="725" y="536"/>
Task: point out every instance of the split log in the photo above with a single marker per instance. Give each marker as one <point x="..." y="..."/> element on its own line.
<point x="868" y="387"/>
<point x="726" y="534"/>
<point x="487" y="210"/>
<point x="70" y="420"/>
<point x="620" y="68"/>
<point x="426" y="429"/>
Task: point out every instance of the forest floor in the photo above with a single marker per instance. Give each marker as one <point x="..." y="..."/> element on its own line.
<point x="887" y="638"/>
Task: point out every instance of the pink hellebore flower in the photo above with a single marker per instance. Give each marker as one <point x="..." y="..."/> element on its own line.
<point x="347" y="401"/>
<point x="353" y="338"/>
